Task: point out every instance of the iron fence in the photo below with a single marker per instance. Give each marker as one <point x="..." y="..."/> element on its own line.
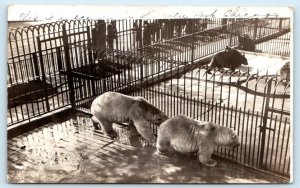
<point x="70" y="63"/>
<point x="256" y="106"/>
<point x="182" y="39"/>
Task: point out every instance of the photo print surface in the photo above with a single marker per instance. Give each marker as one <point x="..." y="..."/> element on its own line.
<point x="149" y="94"/>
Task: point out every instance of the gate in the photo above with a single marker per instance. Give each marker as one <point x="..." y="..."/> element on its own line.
<point x="48" y="86"/>
<point x="274" y="147"/>
<point x="61" y="56"/>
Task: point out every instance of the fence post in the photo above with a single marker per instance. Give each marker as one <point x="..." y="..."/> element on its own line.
<point x="193" y="40"/>
<point x="102" y="33"/>
<point x="142" y="45"/>
<point x="255" y="29"/>
<point x="140" y="36"/>
<point x="36" y="66"/>
<point x="231" y="32"/>
<point x="58" y="58"/>
<point x="91" y="60"/>
<point x="224" y="24"/>
<point x="99" y="34"/>
<point x="142" y="69"/>
<point x="280" y="24"/>
<point x="263" y="128"/>
<point x="43" y="73"/>
<point x="68" y="67"/>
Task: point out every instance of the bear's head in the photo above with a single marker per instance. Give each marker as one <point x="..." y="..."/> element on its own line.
<point x="243" y="60"/>
<point x="226" y="137"/>
<point x="236" y="56"/>
<point x="151" y="113"/>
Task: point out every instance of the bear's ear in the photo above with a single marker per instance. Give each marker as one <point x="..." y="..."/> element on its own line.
<point x="211" y="127"/>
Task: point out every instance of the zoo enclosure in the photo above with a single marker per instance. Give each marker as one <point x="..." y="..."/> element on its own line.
<point x="69" y="63"/>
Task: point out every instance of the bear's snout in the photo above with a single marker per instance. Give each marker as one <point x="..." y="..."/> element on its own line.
<point x="236" y="141"/>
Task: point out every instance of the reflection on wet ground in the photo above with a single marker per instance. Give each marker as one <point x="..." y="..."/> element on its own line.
<point x="72" y="152"/>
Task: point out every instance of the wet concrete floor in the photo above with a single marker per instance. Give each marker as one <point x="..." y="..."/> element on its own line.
<point x="73" y="152"/>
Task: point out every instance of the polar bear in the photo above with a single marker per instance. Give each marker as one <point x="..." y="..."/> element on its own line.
<point x="185" y="135"/>
<point x="113" y="107"/>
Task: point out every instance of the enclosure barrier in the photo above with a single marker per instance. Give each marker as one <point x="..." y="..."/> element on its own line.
<point x="36" y="87"/>
<point x="70" y="63"/>
<point x="255" y="105"/>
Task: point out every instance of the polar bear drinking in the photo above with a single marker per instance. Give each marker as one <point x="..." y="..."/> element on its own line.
<point x="113" y="107"/>
<point x="185" y="135"/>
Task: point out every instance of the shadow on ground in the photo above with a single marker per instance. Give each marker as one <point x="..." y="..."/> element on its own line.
<point x="71" y="152"/>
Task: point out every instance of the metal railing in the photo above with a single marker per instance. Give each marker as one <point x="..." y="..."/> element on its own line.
<point x="70" y="63"/>
<point x="256" y="106"/>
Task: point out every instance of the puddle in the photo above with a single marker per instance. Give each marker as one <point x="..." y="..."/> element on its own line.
<point x="73" y="152"/>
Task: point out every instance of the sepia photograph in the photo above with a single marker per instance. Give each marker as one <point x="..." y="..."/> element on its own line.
<point x="157" y="95"/>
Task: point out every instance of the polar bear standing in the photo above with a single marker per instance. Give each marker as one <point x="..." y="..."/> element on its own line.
<point x="185" y="135"/>
<point x="113" y="107"/>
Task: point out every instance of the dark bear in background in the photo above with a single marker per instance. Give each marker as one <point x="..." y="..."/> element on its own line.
<point x="113" y="107"/>
<point x="185" y="135"/>
<point x="246" y="43"/>
<point x="229" y="58"/>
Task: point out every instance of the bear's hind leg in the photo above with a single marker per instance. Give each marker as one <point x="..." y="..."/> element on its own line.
<point x="205" y="159"/>
<point x="95" y="123"/>
<point x="107" y="127"/>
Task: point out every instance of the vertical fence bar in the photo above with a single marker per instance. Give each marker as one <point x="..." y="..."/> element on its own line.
<point x="68" y="67"/>
<point x="36" y="66"/>
<point x="58" y="59"/>
<point x="43" y="73"/>
<point x="280" y="24"/>
<point x="193" y="41"/>
<point x="89" y="47"/>
<point x="263" y="128"/>
<point x="255" y="29"/>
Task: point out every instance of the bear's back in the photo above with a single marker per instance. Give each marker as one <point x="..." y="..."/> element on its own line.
<point x="112" y="102"/>
<point x="230" y="57"/>
<point x="182" y="125"/>
<point x="180" y="131"/>
<point x="177" y="125"/>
